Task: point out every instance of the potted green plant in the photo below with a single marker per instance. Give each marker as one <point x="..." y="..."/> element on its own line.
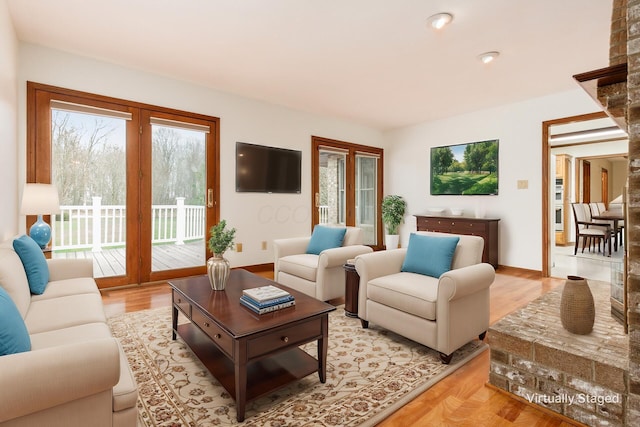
<point x="218" y="267"/>
<point x="393" y="209"/>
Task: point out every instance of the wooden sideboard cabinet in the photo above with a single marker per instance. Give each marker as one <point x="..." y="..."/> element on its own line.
<point x="487" y="228"/>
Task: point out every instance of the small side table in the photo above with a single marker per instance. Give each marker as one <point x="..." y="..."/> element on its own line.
<point x="352" y="285"/>
<point x="47" y="252"/>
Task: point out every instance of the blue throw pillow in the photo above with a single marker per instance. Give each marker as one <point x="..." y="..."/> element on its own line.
<point x="429" y="255"/>
<point x="34" y="262"/>
<point x="14" y="337"/>
<point x="324" y="237"/>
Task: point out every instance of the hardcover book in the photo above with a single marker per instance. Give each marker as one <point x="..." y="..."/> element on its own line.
<point x="268" y="303"/>
<point x="250" y="305"/>
<point x="265" y="293"/>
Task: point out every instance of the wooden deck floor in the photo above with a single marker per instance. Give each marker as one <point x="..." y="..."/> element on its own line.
<point x="111" y="262"/>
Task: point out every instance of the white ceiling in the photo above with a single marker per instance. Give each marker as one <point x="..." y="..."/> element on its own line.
<point x="373" y="62"/>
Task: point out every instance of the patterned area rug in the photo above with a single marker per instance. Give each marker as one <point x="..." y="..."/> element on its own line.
<point x="370" y="374"/>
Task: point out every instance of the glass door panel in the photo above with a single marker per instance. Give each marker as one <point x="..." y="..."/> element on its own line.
<point x="179" y="186"/>
<point x="88" y="166"/>
<point x="331" y="197"/>
<point x="366" y="197"/>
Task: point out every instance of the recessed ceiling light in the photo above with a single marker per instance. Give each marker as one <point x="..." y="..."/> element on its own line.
<point x="439" y="20"/>
<point x="488" y="56"/>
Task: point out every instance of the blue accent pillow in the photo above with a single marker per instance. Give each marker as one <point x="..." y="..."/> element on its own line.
<point x="34" y="262"/>
<point x="429" y="255"/>
<point x="324" y="237"/>
<point x="14" y="337"/>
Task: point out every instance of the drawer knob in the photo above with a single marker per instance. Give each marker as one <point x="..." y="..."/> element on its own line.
<point x="285" y="339"/>
<point x="218" y="336"/>
<point x="206" y="324"/>
<point x="179" y="300"/>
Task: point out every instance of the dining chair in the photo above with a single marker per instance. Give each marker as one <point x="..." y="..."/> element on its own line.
<point x="587" y="230"/>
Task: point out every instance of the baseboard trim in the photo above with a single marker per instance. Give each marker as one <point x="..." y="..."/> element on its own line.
<point x="517" y="271"/>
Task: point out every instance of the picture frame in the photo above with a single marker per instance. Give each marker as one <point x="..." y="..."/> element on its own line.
<point x="465" y="169"/>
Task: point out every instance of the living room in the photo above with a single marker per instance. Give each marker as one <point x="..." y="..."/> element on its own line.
<point x="516" y="124"/>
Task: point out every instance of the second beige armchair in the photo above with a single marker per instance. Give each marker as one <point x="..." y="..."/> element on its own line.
<point x="320" y="275"/>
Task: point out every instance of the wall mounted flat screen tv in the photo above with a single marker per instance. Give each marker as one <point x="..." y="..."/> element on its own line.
<point x="263" y="169"/>
<point x="465" y="169"/>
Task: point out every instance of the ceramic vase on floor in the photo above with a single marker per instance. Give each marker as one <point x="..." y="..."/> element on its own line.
<point x="218" y="271"/>
<point x="577" y="309"/>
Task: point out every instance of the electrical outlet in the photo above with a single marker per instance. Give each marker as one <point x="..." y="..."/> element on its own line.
<point x="264" y="245"/>
<point x="523" y="184"/>
<point x="238" y="247"/>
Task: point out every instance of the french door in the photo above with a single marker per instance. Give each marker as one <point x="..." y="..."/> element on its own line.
<point x="347" y="186"/>
<point x="138" y="184"/>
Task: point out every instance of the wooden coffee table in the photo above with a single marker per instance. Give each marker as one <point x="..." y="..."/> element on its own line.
<point x="250" y="354"/>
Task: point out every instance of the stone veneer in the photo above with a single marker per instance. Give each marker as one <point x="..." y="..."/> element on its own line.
<point x="534" y="357"/>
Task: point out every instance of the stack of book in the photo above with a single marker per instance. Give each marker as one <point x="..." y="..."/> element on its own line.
<point x="266" y="299"/>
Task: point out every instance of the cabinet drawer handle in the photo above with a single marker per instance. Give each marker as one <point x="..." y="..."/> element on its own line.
<point x="206" y="324"/>
<point x="218" y="336"/>
<point x="179" y="300"/>
<point x="285" y="339"/>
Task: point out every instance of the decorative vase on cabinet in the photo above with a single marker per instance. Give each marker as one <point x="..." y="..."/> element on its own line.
<point x="577" y="308"/>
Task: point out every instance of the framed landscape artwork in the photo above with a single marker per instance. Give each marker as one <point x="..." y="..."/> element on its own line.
<point x="465" y="169"/>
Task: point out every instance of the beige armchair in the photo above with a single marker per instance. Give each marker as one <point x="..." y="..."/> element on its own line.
<point x="442" y="313"/>
<point x="320" y="276"/>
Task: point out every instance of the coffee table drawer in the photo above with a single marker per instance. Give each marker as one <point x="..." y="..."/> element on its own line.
<point x="284" y="338"/>
<point x="217" y="335"/>
<point x="180" y="302"/>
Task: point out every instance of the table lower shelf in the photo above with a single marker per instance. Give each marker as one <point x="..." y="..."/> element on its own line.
<point x="264" y="375"/>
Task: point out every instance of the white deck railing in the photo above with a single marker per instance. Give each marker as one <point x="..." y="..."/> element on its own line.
<point x="97" y="226"/>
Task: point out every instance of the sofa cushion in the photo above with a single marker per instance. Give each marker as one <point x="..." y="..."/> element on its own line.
<point x="125" y="392"/>
<point x="66" y="287"/>
<point x="14" y="337"/>
<point x="34" y="262"/>
<point x="429" y="255"/>
<point x="302" y="265"/>
<point x="63" y="312"/>
<point x="70" y="335"/>
<point x="13" y="279"/>
<point x="324" y="237"/>
<point x="408" y="292"/>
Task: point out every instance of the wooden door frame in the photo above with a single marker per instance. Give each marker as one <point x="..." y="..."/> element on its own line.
<point x="38" y="164"/>
<point x="351" y="149"/>
<point x="586" y="181"/>
<point x="546" y="194"/>
<point x="604" y="190"/>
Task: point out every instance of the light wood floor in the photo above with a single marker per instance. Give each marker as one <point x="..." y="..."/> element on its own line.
<point x="463" y="398"/>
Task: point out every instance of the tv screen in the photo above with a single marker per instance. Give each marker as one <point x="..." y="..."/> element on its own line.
<point x="465" y="169"/>
<point x="262" y="169"/>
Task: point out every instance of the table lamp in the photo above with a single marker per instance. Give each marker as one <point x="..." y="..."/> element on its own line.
<point x="40" y="199"/>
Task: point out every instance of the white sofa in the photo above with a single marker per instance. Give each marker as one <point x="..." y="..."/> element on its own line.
<point x="442" y="313"/>
<point x="76" y="373"/>
<point x="320" y="276"/>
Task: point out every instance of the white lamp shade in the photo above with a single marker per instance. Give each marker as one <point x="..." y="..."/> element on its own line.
<point x="40" y="199"/>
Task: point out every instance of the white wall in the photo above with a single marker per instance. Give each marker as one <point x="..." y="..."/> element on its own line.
<point x="257" y="217"/>
<point x="519" y="129"/>
<point x="8" y="125"/>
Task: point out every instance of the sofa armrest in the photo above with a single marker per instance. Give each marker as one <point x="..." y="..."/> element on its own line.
<point x="61" y="269"/>
<point x="378" y="264"/>
<point x="336" y="257"/>
<point x="458" y="283"/>
<point x="374" y="265"/>
<point x="40" y="379"/>
<point x="292" y="246"/>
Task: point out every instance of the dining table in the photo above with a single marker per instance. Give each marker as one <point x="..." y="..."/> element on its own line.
<point x="615" y="217"/>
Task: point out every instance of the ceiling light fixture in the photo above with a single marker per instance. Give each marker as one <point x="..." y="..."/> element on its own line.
<point x="439" y="20"/>
<point x="488" y="56"/>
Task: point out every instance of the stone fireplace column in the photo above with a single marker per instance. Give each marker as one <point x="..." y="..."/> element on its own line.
<point x="632" y="18"/>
